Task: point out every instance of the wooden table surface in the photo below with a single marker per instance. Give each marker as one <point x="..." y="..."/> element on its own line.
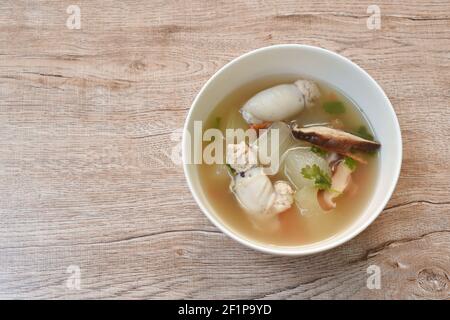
<point x="88" y="121"/>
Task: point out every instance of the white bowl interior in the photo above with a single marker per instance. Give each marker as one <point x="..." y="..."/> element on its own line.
<point x="320" y="64"/>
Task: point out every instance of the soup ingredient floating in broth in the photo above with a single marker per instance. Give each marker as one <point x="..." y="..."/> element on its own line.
<point x="278" y="134"/>
<point x="340" y="181"/>
<point x="240" y="157"/>
<point x="314" y="176"/>
<point x="335" y="140"/>
<point x="298" y="160"/>
<point x="253" y="188"/>
<point x="302" y="173"/>
<point x="258" y="196"/>
<point x="280" y="102"/>
<point x="340" y="144"/>
<point x="307" y="202"/>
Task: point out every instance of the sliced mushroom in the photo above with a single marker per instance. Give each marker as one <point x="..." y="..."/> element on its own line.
<point x="335" y="140"/>
<point x="326" y="200"/>
<point x="340" y="181"/>
<point x="333" y="160"/>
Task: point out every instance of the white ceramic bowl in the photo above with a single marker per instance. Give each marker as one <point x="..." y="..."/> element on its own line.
<point x="315" y="63"/>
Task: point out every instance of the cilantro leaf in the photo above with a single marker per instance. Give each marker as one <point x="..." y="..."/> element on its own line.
<point x="334" y="107"/>
<point x="362" y="132"/>
<point x="230" y="169"/>
<point x="321" y="179"/>
<point x="350" y="163"/>
<point x="319" y="152"/>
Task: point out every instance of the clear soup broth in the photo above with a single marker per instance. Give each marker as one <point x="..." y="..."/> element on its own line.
<point x="294" y="228"/>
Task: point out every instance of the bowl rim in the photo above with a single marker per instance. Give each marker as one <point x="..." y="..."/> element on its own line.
<point x="292" y="250"/>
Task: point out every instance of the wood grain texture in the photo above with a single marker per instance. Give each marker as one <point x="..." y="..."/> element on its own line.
<point x="86" y="131"/>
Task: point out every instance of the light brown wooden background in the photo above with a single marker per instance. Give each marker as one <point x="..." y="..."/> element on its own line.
<point x="86" y="118"/>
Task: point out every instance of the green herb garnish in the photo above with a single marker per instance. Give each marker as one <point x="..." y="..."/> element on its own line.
<point x="321" y="179"/>
<point x="334" y="107"/>
<point x="350" y="163"/>
<point x="319" y="152"/>
<point x="230" y="169"/>
<point x="362" y="132"/>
